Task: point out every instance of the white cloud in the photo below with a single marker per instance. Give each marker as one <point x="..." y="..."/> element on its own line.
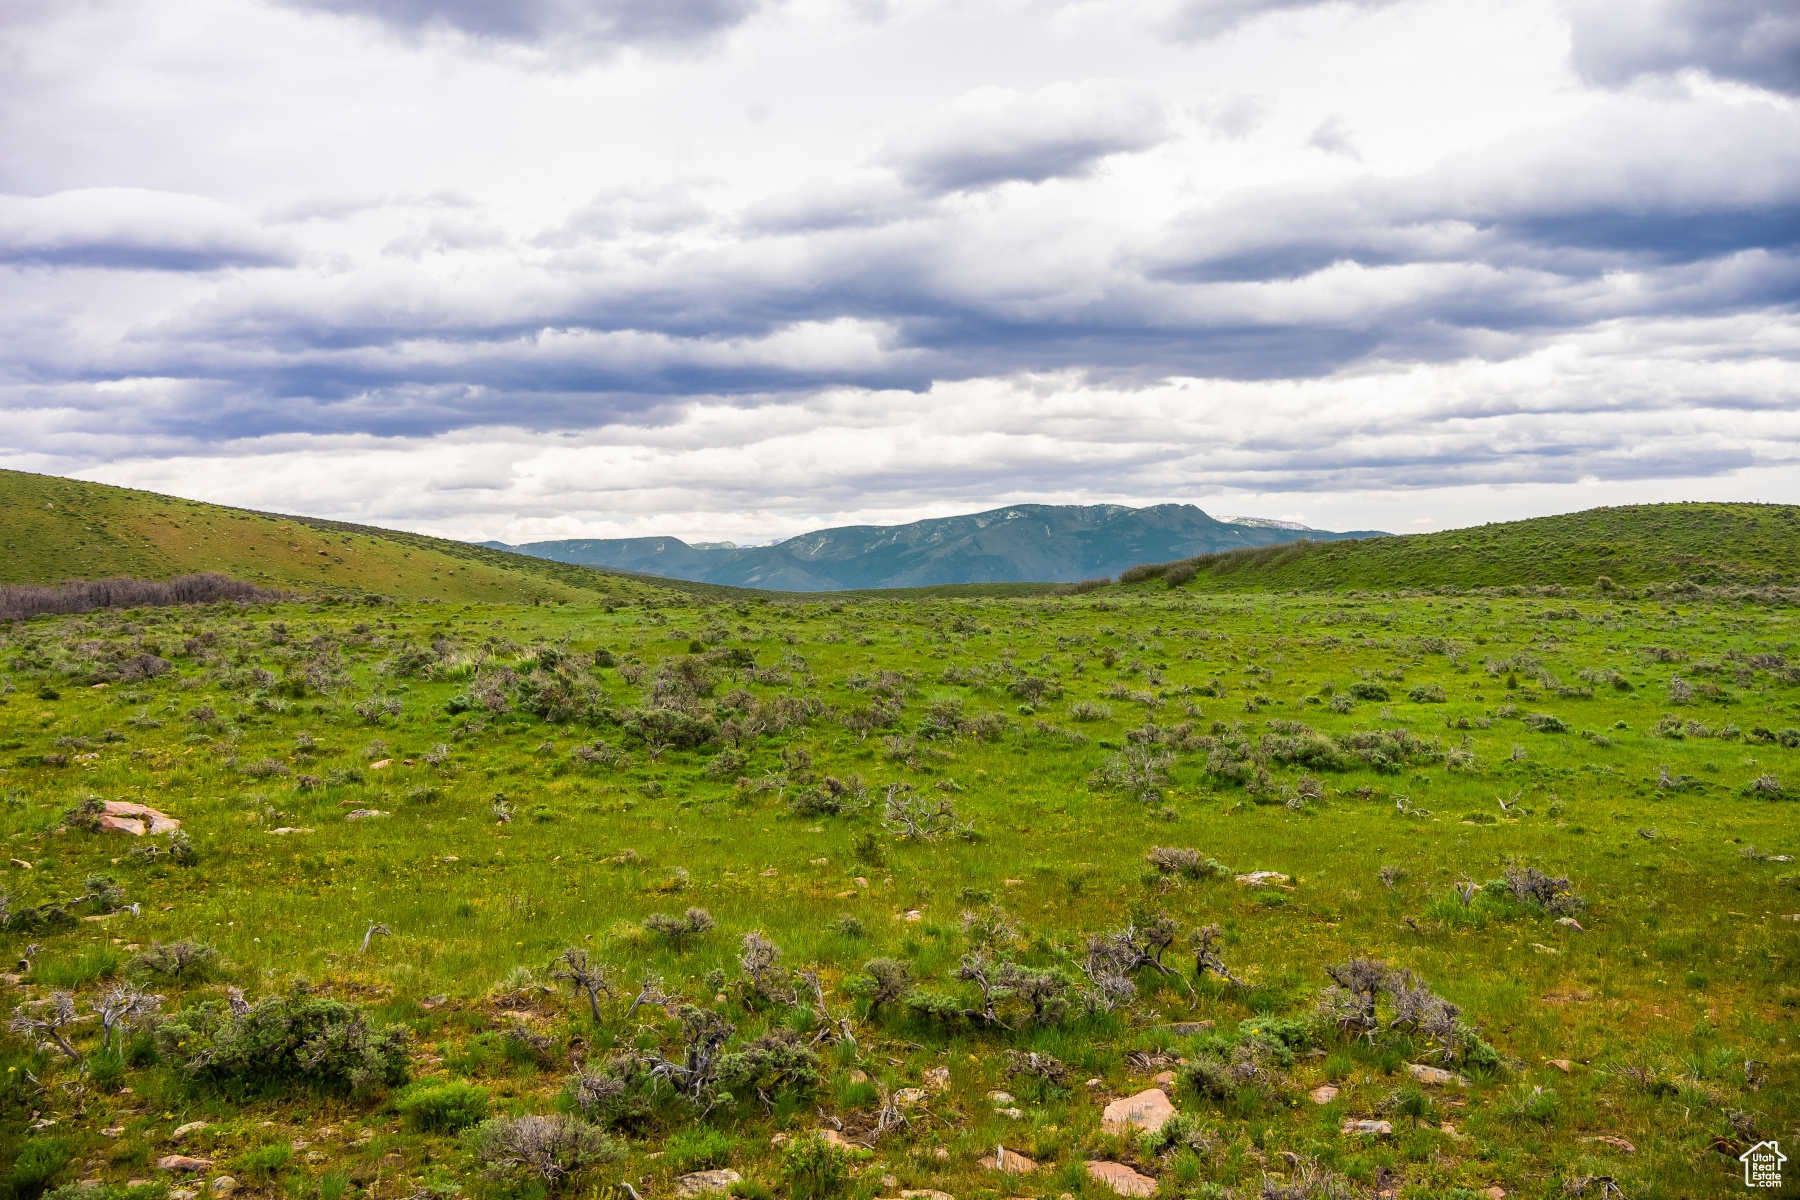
<point x="449" y="264"/>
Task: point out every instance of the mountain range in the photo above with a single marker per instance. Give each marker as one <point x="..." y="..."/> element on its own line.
<point x="1022" y="542"/>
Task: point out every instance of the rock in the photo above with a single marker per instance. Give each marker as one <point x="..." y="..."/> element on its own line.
<point x="859" y="881"/>
<point x="942" y="1154"/>
<point x="937" y="1079"/>
<point x="1543" y="949"/>
<point x="1570" y="923"/>
<point x="382" y="765"/>
<point x="21" y="864"/>
<point x="925" y="1194"/>
<point x="1325" y="1093"/>
<point x="364" y="814"/>
<point x="1495" y="1193"/>
<point x="1562" y="1064"/>
<point x="1262" y="878"/>
<point x="192" y="1127"/>
<point x="1001" y="1097"/>
<point x="287" y="829"/>
<point x="780" y="1139"/>
<point x="1147" y="1111"/>
<point x="913" y="914"/>
<point x="1094" y="1084"/>
<point x="1121" y="1178"/>
<point x="184" y="1194"/>
<point x="832" y="1136"/>
<point x="699" y="1183"/>
<point x="1163" y="1078"/>
<point x="112" y="1131"/>
<point x="181" y="1162"/>
<point x="1016" y="1114"/>
<point x="122" y="825"/>
<point x="907" y="1097"/>
<point x="224" y="1185"/>
<point x="1368" y="1128"/>
<point x="1617" y="1143"/>
<point x="1011" y="1162"/>
<point x="146" y="817"/>
<point x="1189" y="1028"/>
<point x="859" y="1076"/>
<point x="770" y="873"/>
<point x="1435" y="1076"/>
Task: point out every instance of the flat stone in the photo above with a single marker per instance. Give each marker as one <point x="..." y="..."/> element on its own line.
<point x="907" y="1097"/>
<point x="181" y="1162"/>
<point x="128" y="825"/>
<point x="937" y="1079"/>
<point x="382" y="765"/>
<point x="192" y="1127"/>
<point x="1001" y="1097"/>
<point x="1016" y="1114"/>
<point x="1148" y="1111"/>
<point x="1262" y="878"/>
<point x="1121" y="1178"/>
<point x="1163" y="1078"/>
<point x="184" y="1194"/>
<point x="913" y="914"/>
<point x="699" y="1183"/>
<point x="147" y="819"/>
<point x="1562" y="1064"/>
<point x="364" y="814"/>
<point x="925" y="1194"/>
<point x="1368" y="1128"/>
<point x="1325" y="1093"/>
<point x="224" y="1185"/>
<point x="1495" y="1193"/>
<point x="1617" y="1143"/>
<point x="1435" y="1076"/>
<point x="1010" y="1162"/>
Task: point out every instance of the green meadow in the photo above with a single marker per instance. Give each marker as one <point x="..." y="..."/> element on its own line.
<point x="581" y="898"/>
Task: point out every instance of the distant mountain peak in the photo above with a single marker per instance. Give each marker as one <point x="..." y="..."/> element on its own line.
<point x="1269" y="523"/>
<point x="1017" y="543"/>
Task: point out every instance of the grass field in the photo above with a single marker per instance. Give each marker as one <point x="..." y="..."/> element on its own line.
<point x="530" y="779"/>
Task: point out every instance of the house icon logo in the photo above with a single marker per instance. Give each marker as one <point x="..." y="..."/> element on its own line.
<point x="1762" y="1165"/>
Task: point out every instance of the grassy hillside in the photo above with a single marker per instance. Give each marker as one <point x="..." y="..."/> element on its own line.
<point x="1707" y="544"/>
<point x="401" y="822"/>
<point x="57" y="529"/>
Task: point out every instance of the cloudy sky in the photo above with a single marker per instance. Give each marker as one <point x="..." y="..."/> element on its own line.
<point x="738" y="268"/>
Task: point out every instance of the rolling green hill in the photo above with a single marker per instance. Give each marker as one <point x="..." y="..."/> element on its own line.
<point x="58" y="529"/>
<point x="1708" y="544"/>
